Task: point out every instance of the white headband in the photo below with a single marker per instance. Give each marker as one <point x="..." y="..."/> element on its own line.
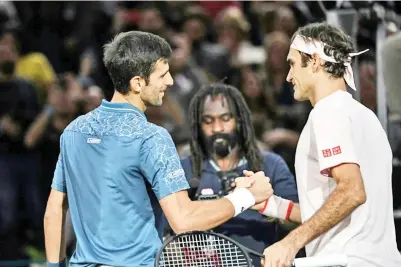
<point x="316" y="47"/>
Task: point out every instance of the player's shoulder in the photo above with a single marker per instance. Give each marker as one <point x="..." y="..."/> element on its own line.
<point x="334" y="101"/>
<point x="101" y="122"/>
<point x="340" y="105"/>
<point x="152" y="130"/>
<point x="337" y="105"/>
<point x="156" y="134"/>
<point x="74" y="125"/>
<point x="80" y="124"/>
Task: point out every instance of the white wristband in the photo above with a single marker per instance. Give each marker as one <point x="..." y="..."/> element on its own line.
<point x="277" y="207"/>
<point x="242" y="199"/>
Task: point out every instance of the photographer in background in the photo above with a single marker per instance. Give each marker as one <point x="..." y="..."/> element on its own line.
<point x="223" y="145"/>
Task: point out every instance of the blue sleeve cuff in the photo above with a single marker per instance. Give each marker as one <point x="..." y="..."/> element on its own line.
<point x="60" y="264"/>
<point x="59" y="187"/>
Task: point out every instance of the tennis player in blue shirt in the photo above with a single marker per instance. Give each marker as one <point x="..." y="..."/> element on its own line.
<point x="117" y="172"/>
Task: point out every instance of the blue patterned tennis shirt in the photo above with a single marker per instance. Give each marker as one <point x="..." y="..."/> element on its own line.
<point x="114" y="166"/>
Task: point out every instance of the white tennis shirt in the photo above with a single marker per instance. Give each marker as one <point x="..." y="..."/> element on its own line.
<point x="341" y="130"/>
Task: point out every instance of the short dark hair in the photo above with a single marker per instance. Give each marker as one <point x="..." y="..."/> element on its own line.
<point x="338" y="45"/>
<point x="240" y="110"/>
<point x="133" y="53"/>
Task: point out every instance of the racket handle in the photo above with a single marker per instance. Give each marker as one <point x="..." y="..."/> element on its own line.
<point x="321" y="261"/>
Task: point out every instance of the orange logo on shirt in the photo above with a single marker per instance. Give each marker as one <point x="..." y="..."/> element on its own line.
<point x="326" y="153"/>
<point x="336" y="150"/>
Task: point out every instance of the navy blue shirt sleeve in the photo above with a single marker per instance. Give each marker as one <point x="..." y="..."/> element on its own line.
<point x="282" y="180"/>
<point x="161" y="165"/>
<point x="186" y="165"/>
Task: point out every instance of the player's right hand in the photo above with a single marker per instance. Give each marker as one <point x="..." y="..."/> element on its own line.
<point x="260" y="187"/>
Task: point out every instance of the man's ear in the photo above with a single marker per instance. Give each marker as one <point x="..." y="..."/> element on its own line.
<point x="136" y="84"/>
<point x="316" y="62"/>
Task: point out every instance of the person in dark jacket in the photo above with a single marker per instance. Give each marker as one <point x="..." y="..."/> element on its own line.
<point x="223" y="145"/>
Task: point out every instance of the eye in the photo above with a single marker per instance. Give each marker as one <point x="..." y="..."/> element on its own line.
<point x="226" y="117"/>
<point x="207" y="120"/>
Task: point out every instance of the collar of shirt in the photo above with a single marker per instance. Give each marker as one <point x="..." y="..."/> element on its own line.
<point x="121" y="108"/>
<point x="243" y="161"/>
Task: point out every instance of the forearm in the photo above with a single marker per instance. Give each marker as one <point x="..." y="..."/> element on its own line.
<point x="54" y="236"/>
<point x="37" y="129"/>
<point x="337" y="207"/>
<point x="280" y="208"/>
<point x="295" y="215"/>
<point x="205" y="215"/>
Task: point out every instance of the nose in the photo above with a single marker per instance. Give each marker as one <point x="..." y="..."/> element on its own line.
<point x="289" y="76"/>
<point x="170" y="80"/>
<point x="217" y="126"/>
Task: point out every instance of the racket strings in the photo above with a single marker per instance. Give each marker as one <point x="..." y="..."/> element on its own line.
<point x="202" y="251"/>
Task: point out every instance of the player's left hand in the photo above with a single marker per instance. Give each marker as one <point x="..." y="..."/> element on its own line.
<point x="280" y="254"/>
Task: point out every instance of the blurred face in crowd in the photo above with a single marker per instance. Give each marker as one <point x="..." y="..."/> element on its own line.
<point x="93" y="98"/>
<point x="276" y="55"/>
<point x="61" y="100"/>
<point x="229" y="36"/>
<point x="195" y="29"/>
<point x="9" y="40"/>
<point x="300" y="77"/>
<point x="159" y="80"/>
<point x="181" y="52"/>
<point x="151" y="21"/>
<point x="251" y="86"/>
<point x="8" y="54"/>
<point x="285" y="21"/>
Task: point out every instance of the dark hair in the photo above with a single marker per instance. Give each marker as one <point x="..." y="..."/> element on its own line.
<point x="132" y="54"/>
<point x="238" y="106"/>
<point x="338" y="45"/>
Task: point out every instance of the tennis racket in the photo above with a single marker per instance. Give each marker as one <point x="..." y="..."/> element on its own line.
<point x="208" y="249"/>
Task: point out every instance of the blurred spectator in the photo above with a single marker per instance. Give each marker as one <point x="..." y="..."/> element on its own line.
<point x="19" y="195"/>
<point x="284" y="20"/>
<point x="92" y="98"/>
<point x="244" y="44"/>
<point x="32" y="66"/>
<point x="8" y="15"/>
<point x="188" y="77"/>
<point x="213" y="58"/>
<point x="285" y="112"/>
<point x="45" y="131"/>
<point x="213" y="8"/>
<point x="277" y="17"/>
<point x="367" y="85"/>
<point x="170" y="115"/>
<point x="151" y="20"/>
<point x="232" y="32"/>
<point x="261" y="107"/>
<point x="276" y="68"/>
<point x="391" y="52"/>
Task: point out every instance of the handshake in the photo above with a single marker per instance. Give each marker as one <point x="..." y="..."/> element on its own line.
<point x="265" y="202"/>
<point x="259" y="186"/>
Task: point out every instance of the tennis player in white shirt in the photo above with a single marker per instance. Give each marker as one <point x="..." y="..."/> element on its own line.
<point x="343" y="162"/>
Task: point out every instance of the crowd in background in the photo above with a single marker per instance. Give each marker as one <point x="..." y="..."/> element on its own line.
<point x="51" y="71"/>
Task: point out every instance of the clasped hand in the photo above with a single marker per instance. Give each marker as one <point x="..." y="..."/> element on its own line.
<point x="257" y="183"/>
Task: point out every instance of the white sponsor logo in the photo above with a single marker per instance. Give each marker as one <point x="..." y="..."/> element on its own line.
<point x="94" y="140"/>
